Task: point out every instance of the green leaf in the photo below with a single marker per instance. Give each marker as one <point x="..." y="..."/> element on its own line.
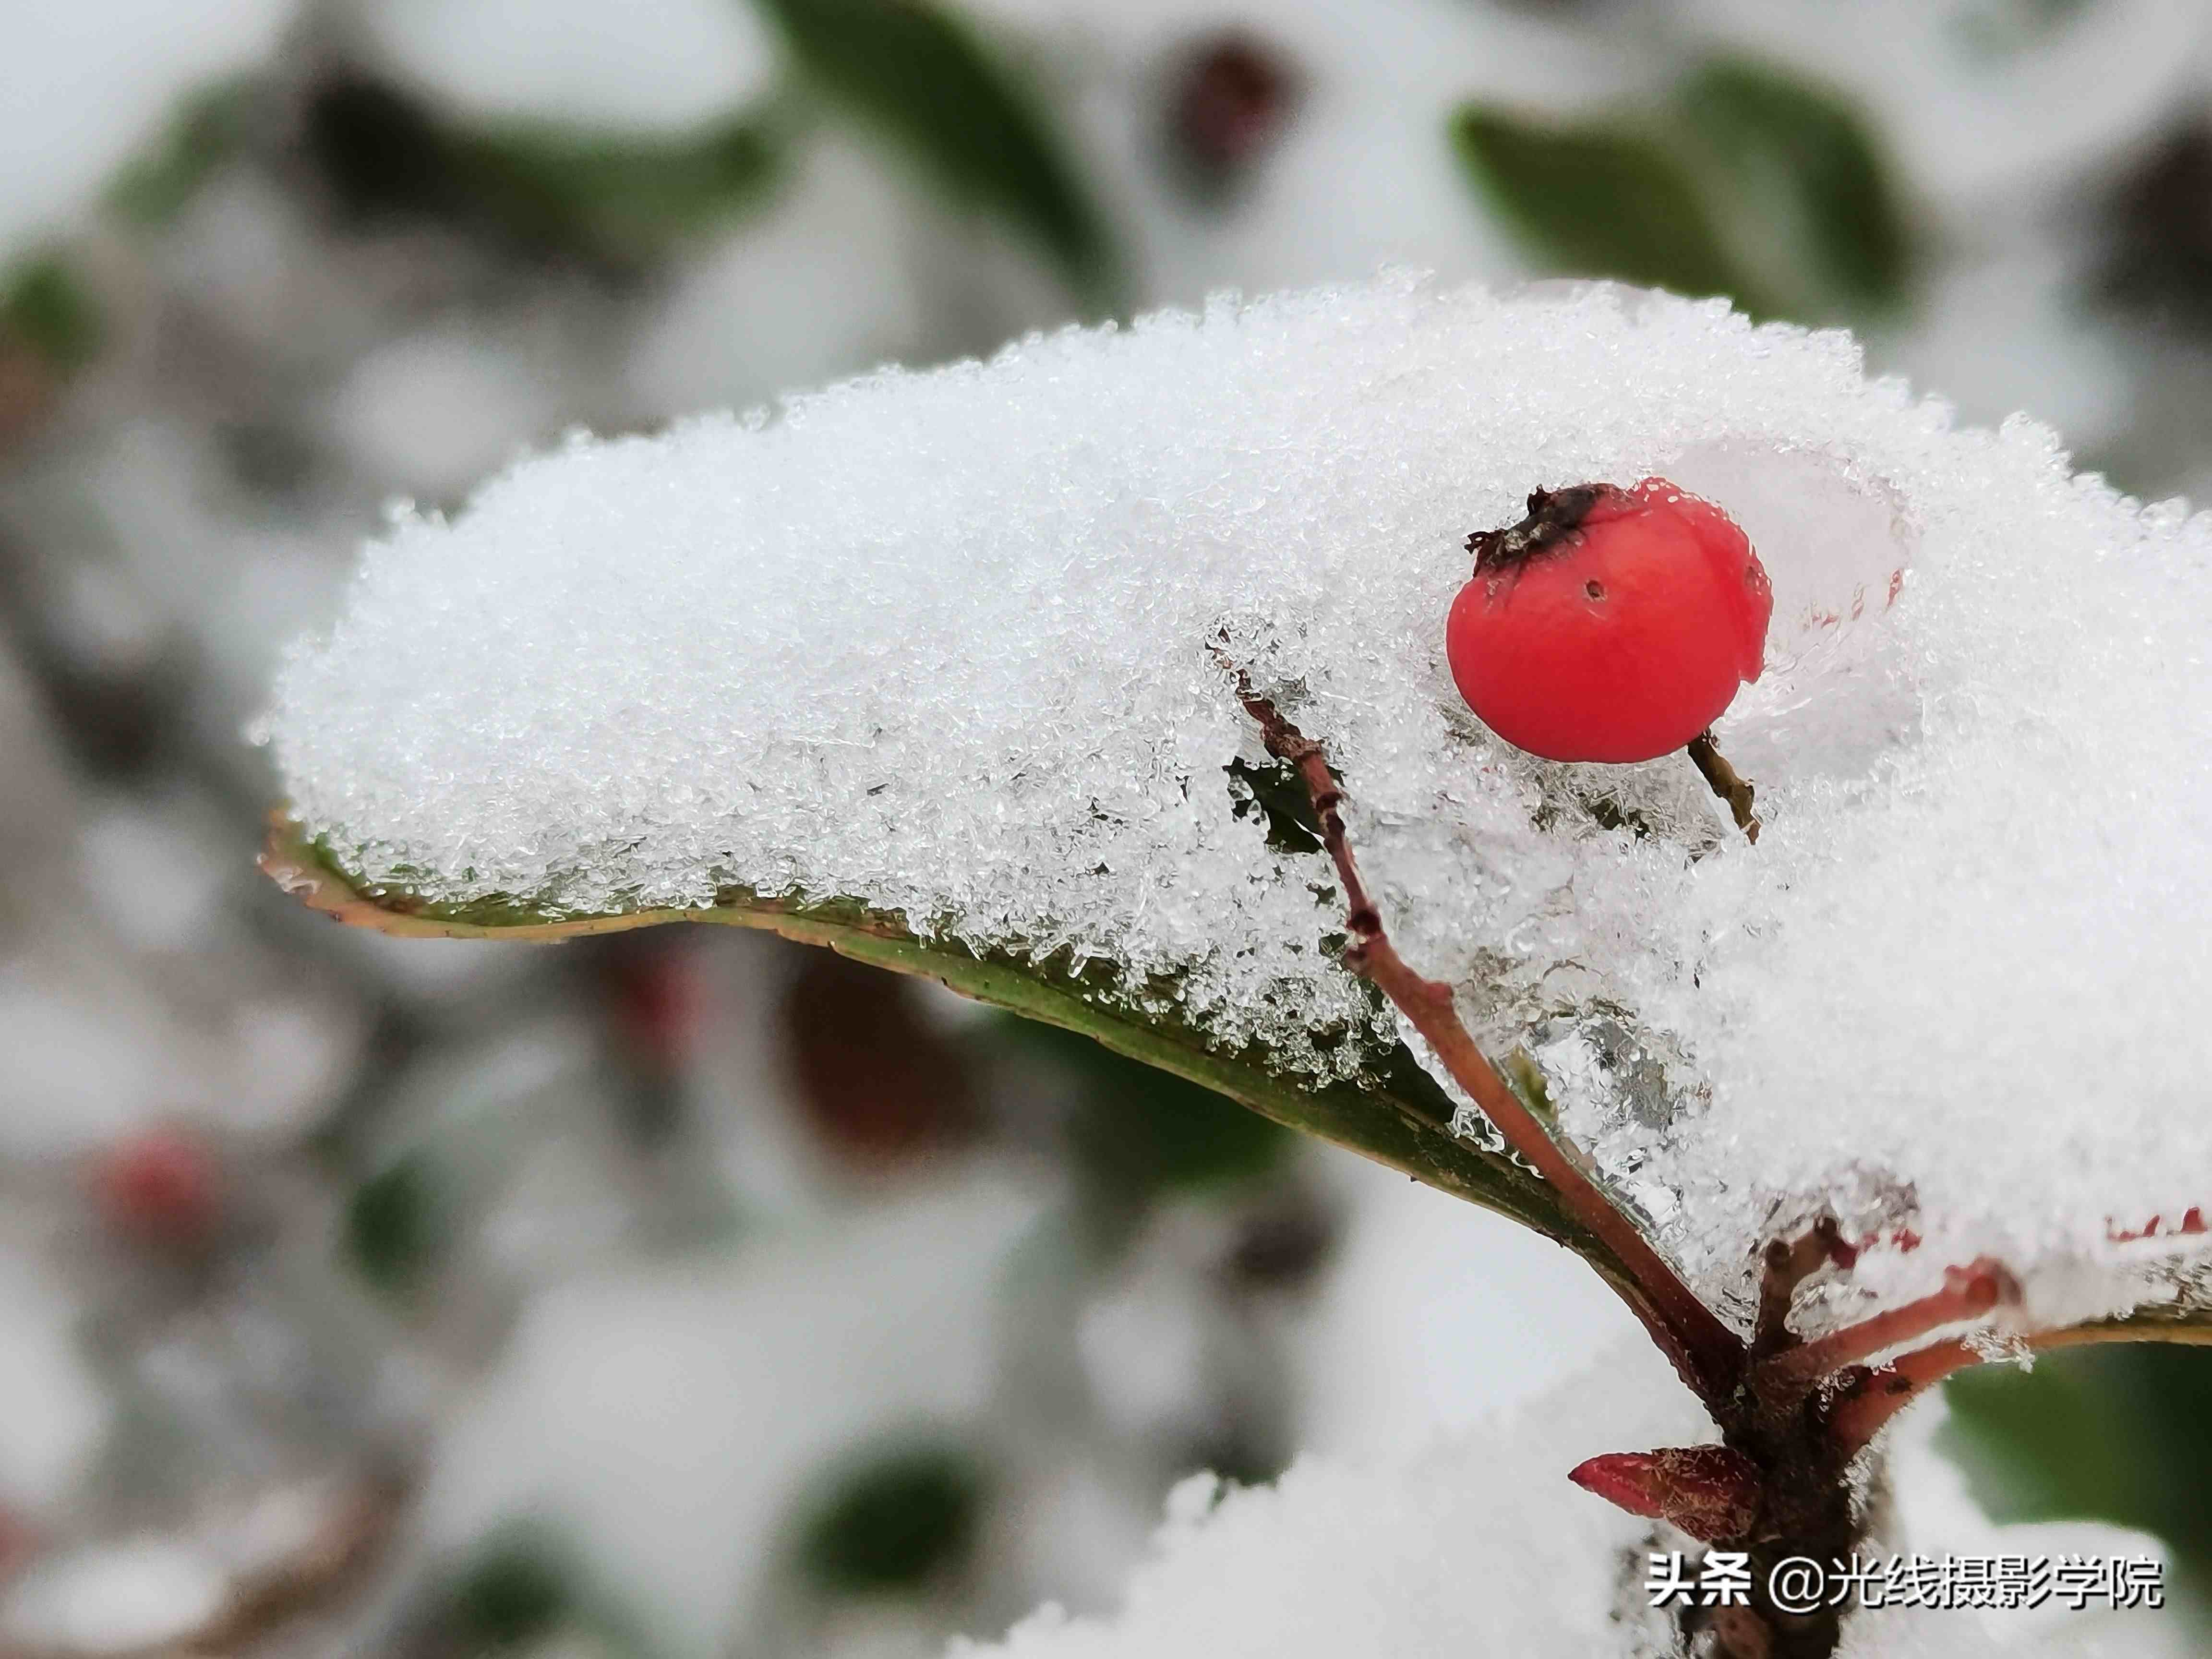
<point x="618" y="194"/>
<point x="1801" y="160"/>
<point x="515" y="1588"/>
<point x="205" y="133"/>
<point x="1604" y="202"/>
<point x="396" y="1224"/>
<point x="1138" y="1129"/>
<point x="1392" y="1111"/>
<point x="598" y="196"/>
<point x="45" y="306"/>
<point x="916" y="73"/>
<point x="2121" y="1434"/>
<point x="894" y="1523"/>
<point x="1388" y="1109"/>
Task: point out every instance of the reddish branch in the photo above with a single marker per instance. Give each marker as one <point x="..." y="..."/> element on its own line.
<point x="1794" y="1413"/>
<point x="1967" y="1293"/>
<point x="1788" y="1264"/>
<point x="1870" y="1398"/>
<point x="1708" y="1355"/>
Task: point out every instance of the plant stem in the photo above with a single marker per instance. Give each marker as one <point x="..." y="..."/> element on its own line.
<point x="1788" y="1264"/>
<point x="1725" y="782"/>
<point x="1968" y="1293"/>
<point x="1873" y="1397"/>
<point x="1706" y="1353"/>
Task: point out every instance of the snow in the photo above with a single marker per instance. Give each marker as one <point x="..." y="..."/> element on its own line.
<point x="84" y="87"/>
<point x="818" y="285"/>
<point x="635" y="66"/>
<point x="55" y="1412"/>
<point x="1477" y="1544"/>
<point x="116" y="1598"/>
<point x="435" y="411"/>
<point x="1436" y="1316"/>
<point x="940" y="643"/>
<point x="77" y="1072"/>
<point x="670" y="1418"/>
<point x="1936" y="1513"/>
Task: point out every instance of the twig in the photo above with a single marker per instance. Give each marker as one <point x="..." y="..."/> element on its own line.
<point x="1788" y="1264"/>
<point x="1727" y="782"/>
<point x="1707" y="1354"/>
<point x="1967" y="1293"/>
<point x="1869" y="1398"/>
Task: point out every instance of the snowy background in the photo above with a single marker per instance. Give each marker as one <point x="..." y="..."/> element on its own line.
<point x="678" y="1294"/>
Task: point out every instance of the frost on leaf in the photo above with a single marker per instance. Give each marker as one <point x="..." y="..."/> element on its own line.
<point x="942" y="646"/>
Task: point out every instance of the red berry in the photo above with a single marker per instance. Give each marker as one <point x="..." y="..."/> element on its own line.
<point x="1609" y="624"/>
<point x="159" y="1187"/>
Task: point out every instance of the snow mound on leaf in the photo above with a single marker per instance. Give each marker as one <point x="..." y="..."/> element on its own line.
<point x="945" y="643"/>
<point x="1478" y="1545"/>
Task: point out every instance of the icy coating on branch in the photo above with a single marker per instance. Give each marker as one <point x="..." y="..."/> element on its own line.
<point x="943" y="643"/>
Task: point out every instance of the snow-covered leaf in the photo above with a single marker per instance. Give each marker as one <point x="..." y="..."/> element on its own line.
<point x="927" y="668"/>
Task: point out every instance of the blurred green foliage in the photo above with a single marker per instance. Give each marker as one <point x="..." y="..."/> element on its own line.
<point x="1801" y="160"/>
<point x="396" y="1225"/>
<point x="916" y="73"/>
<point x="2121" y="1434"/>
<point x="895" y="1521"/>
<point x="1750" y="181"/>
<point x="513" y="1589"/>
<point x="47" y="307"/>
<point x="1597" y="202"/>
<point x="618" y="195"/>
<point x="1136" y="1130"/>
<point x="204" y="133"/>
<point x="614" y="200"/>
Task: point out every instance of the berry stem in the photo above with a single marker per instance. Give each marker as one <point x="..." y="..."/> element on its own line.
<point x="1708" y="1356"/>
<point x="1725" y="782"/>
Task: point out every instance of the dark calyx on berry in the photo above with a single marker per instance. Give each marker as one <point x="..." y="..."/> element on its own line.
<point x="1554" y="516"/>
